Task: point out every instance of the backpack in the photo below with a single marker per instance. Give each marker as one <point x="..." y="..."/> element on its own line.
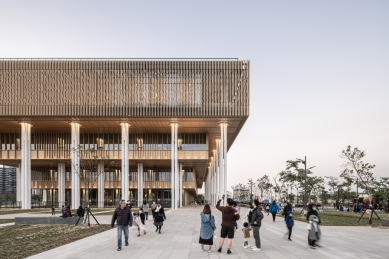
<point x="250" y="215"/>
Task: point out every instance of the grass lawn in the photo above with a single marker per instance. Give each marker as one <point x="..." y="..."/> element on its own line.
<point x="3" y="221"/>
<point x="21" y="241"/>
<point x="343" y="219"/>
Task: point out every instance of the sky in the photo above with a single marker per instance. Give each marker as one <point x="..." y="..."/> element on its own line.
<point x="319" y="69"/>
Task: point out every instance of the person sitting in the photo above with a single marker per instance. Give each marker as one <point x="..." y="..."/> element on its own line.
<point x="341" y="209"/>
<point x="67" y="212"/>
<point x="80" y="211"/>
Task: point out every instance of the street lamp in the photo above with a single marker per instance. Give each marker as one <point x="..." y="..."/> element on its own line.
<point x="251" y="189"/>
<point x="305" y="180"/>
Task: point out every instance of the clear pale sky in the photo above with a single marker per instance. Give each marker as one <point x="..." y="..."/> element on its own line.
<point x="319" y="69"/>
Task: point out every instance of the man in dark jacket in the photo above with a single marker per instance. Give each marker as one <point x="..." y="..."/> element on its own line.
<point x="229" y="214"/>
<point x="256" y="220"/>
<point x="123" y="217"/>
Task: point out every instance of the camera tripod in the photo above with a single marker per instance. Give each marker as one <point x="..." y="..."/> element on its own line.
<point x="87" y="212"/>
<point x="370" y="216"/>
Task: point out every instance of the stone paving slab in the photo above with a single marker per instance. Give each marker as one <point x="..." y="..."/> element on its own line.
<point x="180" y="234"/>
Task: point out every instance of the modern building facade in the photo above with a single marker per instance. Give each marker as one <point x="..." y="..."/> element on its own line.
<point x="8" y="181"/>
<point x="161" y="127"/>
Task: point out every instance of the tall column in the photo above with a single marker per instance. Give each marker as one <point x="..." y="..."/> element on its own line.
<point x="25" y="175"/>
<point x="100" y="185"/>
<point x="18" y="184"/>
<point x="61" y="184"/>
<point x="75" y="129"/>
<point x="180" y="183"/>
<point x="221" y="168"/>
<point x="174" y="164"/>
<point x="140" y="184"/>
<point x="225" y="158"/>
<point x="125" y="162"/>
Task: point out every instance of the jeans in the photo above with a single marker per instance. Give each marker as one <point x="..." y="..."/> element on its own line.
<point x="146" y="215"/>
<point x="290" y="232"/>
<point x="249" y="224"/>
<point x="123" y="228"/>
<point x="256" y="236"/>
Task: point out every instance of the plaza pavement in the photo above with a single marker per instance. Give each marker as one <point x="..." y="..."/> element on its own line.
<point x="180" y="234"/>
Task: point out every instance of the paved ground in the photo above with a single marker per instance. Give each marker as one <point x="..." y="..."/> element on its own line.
<point x="179" y="239"/>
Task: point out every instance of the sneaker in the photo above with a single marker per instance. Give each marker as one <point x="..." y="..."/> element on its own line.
<point x="210" y="251"/>
<point x="219" y="250"/>
<point x="202" y="250"/>
<point x="245" y="247"/>
<point x="229" y="252"/>
<point x="253" y="247"/>
<point x="313" y="247"/>
<point x="119" y="248"/>
<point x="126" y="244"/>
<point x="138" y="235"/>
<point x="256" y="249"/>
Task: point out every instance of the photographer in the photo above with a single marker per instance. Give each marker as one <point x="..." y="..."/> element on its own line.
<point x="228" y="217"/>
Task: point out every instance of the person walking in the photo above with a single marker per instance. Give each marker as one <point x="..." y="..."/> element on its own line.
<point x="159" y="217"/>
<point x="228" y="217"/>
<point x="140" y="221"/>
<point x="312" y="211"/>
<point x="287" y="209"/>
<point x="153" y="206"/>
<point x="273" y="210"/>
<point x="267" y="208"/>
<point x="313" y="231"/>
<point x="256" y="225"/>
<point x="53" y="210"/>
<point x="207" y="228"/>
<point x="246" y="234"/>
<point x="289" y="221"/>
<point x="145" y="208"/>
<point x="123" y="217"/>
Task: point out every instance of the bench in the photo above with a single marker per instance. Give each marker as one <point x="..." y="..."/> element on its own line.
<point x="47" y="221"/>
<point x="385" y="222"/>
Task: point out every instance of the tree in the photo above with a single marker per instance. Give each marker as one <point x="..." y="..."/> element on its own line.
<point x="381" y="192"/>
<point x="92" y="164"/>
<point x="279" y="183"/>
<point x="264" y="184"/>
<point x="295" y="173"/>
<point x="355" y="167"/>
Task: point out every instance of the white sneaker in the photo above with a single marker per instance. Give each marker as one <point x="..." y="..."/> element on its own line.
<point x="256" y="249"/>
<point x="202" y="250"/>
<point x="253" y="247"/>
<point x="210" y="251"/>
<point x="245" y="247"/>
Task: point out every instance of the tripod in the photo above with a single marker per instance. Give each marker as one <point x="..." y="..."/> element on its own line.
<point x="370" y="216"/>
<point x="88" y="212"/>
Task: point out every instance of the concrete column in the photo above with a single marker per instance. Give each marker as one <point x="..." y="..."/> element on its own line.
<point x="25" y="175"/>
<point x="221" y="167"/>
<point x="140" y="184"/>
<point x="75" y="131"/>
<point x="100" y="185"/>
<point x="61" y="184"/>
<point x="180" y="183"/>
<point x="224" y="144"/>
<point x="44" y="196"/>
<point x="18" y="184"/>
<point x="174" y="164"/>
<point x="125" y="162"/>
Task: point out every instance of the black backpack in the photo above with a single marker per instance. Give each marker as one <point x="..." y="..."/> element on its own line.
<point x="250" y="215"/>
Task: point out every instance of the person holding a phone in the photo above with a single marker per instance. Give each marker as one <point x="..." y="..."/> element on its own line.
<point x="228" y="218"/>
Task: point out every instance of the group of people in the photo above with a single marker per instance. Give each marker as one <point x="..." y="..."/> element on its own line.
<point x="125" y="218"/>
<point x="254" y="215"/>
<point x="67" y="212"/>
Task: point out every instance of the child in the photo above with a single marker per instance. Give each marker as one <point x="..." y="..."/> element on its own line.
<point x="289" y="223"/>
<point x="142" y="221"/>
<point x="237" y="208"/>
<point x="246" y="233"/>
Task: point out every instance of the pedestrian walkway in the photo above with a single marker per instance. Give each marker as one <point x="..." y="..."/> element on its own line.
<point x="180" y="236"/>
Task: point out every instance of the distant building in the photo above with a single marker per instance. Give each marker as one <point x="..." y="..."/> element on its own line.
<point x="8" y="180"/>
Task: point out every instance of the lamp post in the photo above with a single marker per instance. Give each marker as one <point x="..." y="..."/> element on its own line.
<point x="251" y="189"/>
<point x="305" y="180"/>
